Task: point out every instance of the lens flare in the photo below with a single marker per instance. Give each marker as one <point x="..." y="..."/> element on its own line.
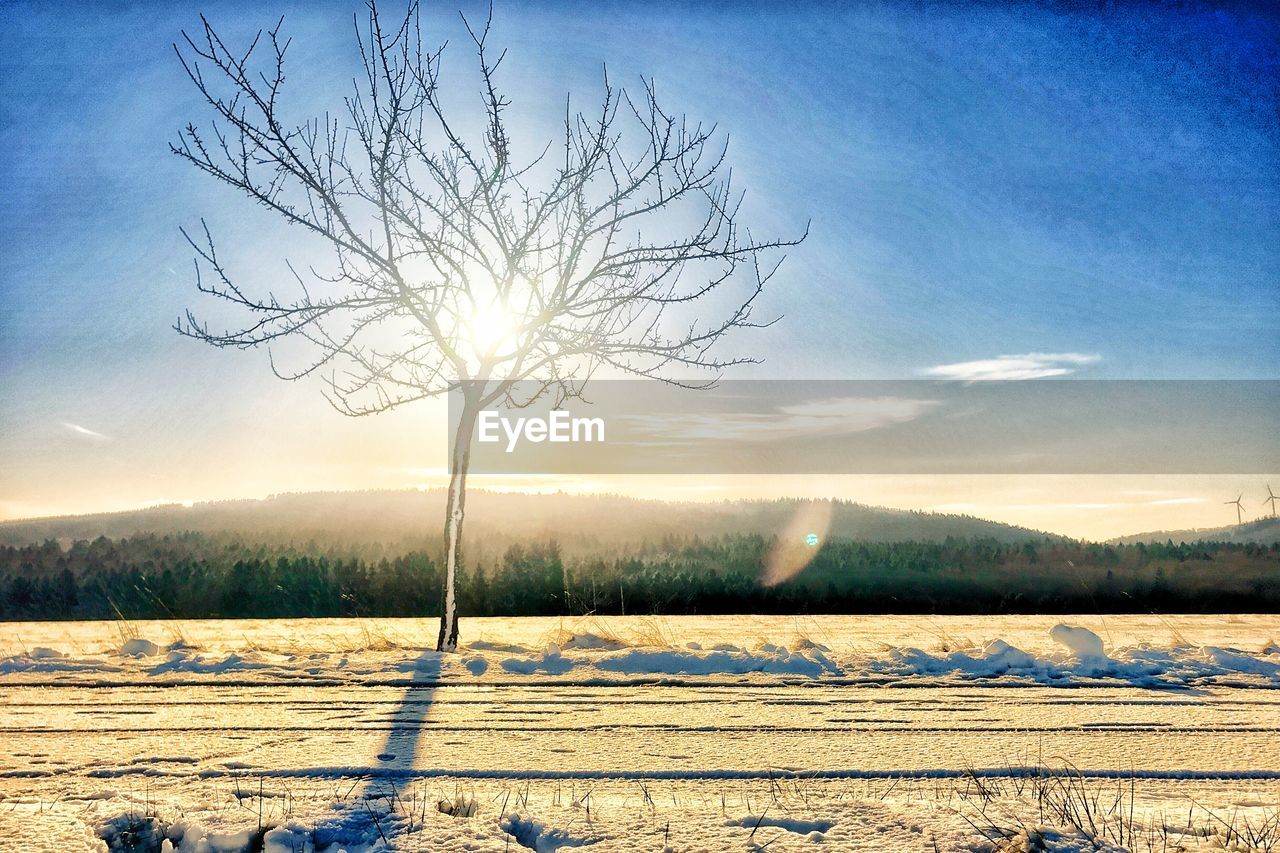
<point x="797" y="542"/>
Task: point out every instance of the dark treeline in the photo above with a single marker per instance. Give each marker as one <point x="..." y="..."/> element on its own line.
<point x="197" y="576"/>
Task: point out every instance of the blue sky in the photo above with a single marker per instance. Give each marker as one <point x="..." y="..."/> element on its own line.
<point x="983" y="181"/>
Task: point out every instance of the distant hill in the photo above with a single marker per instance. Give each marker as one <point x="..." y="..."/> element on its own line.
<point x="405" y="520"/>
<point x="1264" y="531"/>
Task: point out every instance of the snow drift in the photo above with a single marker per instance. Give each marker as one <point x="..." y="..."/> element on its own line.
<point x="1081" y="658"/>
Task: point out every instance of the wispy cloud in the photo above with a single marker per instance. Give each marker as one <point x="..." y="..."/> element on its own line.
<point x="84" y="432"/>
<point x="1031" y="365"/>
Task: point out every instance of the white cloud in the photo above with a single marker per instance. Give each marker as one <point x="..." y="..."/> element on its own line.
<point x="85" y="432"/>
<point x="1032" y="365"/>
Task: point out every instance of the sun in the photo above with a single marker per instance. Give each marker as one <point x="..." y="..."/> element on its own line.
<point x="492" y="328"/>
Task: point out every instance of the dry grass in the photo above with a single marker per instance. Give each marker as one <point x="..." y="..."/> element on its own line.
<point x="589" y="625"/>
<point x="1011" y="811"/>
<point x="653" y="632"/>
<point x="639" y="632"/>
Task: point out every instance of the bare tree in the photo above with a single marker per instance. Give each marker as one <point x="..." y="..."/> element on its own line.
<point x="451" y="264"/>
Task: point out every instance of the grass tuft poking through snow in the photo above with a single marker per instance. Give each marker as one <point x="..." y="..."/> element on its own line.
<point x="461" y="805"/>
<point x="1058" y="808"/>
<point x="134" y="833"/>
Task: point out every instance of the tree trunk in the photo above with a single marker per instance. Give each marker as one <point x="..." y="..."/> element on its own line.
<point x="448" y="641"/>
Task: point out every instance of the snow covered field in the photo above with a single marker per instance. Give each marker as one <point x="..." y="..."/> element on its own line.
<point x="680" y="733"/>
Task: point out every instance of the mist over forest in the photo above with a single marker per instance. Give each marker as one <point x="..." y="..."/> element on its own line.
<point x="391" y="523"/>
<point x="378" y="553"/>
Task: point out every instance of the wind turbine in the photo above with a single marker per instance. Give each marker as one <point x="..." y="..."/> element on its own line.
<point x="1272" y="497"/>
<point x="1239" y="508"/>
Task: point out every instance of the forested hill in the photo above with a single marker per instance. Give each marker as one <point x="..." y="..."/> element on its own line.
<point x="402" y="521"/>
<point x="1263" y="531"/>
<point x="191" y="575"/>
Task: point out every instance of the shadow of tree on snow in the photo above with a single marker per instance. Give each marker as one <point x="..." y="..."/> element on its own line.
<point x="374" y="806"/>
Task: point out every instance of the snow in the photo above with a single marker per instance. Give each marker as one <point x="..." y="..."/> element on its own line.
<point x="535" y="836"/>
<point x="138" y="647"/>
<point x="1082" y="642"/>
<point x="287" y="839"/>
<point x="1078" y="660"/>
<point x="590" y="640"/>
<point x="723" y="661"/>
<point x="1052" y="838"/>
<point x="549" y="662"/>
<point x="796" y="825"/>
<point x="692" y="735"/>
